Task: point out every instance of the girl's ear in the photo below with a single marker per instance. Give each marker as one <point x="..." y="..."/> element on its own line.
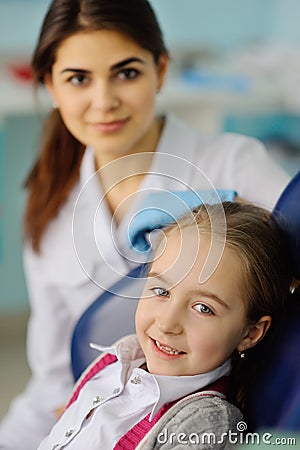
<point x="254" y="333"/>
<point x="162" y="68"/>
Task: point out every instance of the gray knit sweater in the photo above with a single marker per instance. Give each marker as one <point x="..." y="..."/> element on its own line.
<point x="205" y="420"/>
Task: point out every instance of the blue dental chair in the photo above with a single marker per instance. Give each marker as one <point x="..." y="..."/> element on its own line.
<point x="108" y="318"/>
<point x="276" y="404"/>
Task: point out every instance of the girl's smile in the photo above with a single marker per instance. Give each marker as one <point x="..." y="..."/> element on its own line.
<point x="165" y="351"/>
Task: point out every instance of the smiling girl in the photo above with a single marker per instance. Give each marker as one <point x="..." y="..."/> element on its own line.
<point x="170" y="381"/>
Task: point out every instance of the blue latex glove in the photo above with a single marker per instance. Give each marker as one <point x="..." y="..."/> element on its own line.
<point x="162" y="208"/>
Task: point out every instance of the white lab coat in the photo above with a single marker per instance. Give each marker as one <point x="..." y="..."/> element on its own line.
<point x="59" y="279"/>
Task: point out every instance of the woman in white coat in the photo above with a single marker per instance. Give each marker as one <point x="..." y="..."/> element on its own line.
<point x="103" y="63"/>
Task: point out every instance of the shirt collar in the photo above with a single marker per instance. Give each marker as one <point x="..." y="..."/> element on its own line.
<point x="87" y="167"/>
<point x="126" y="349"/>
<point x="172" y="388"/>
<point x="169" y="388"/>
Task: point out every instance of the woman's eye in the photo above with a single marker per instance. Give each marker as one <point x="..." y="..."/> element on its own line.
<point x="128" y="74"/>
<point x="160" y="292"/>
<point x="202" y="308"/>
<point x="78" y="80"/>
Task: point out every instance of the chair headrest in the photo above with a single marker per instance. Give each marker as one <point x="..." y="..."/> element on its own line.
<point x="287" y="216"/>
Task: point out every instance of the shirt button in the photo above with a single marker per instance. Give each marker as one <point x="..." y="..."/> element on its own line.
<point x="69" y="433"/>
<point x="97" y="400"/>
<point x="136" y="380"/>
<point x="116" y="390"/>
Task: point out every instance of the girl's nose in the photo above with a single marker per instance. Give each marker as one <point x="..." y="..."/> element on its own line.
<point x="104" y="97"/>
<point x="170" y="322"/>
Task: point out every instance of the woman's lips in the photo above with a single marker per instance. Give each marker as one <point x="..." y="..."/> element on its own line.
<point x="110" y="127"/>
<point x="165" y="351"/>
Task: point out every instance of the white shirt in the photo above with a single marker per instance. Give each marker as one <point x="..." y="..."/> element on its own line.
<point x="119" y="396"/>
<point x="59" y="284"/>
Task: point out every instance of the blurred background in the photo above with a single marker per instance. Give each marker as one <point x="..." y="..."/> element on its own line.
<point x="235" y="67"/>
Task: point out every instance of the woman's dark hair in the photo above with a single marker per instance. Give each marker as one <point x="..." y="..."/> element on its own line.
<point x="57" y="167"/>
<point x="265" y="273"/>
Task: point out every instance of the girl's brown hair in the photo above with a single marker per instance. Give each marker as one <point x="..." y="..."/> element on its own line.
<point x="251" y="233"/>
<point x="57" y="168"/>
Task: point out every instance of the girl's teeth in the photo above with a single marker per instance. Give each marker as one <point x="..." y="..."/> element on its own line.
<point x="169" y="350"/>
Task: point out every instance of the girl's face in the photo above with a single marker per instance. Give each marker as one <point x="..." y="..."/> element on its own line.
<point x="104" y="85"/>
<point x="190" y="328"/>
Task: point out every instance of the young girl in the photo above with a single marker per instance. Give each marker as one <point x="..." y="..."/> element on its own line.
<point x="104" y="62"/>
<point x="168" y="384"/>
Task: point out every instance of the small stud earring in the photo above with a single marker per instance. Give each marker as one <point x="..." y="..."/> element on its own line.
<point x="242" y="355"/>
<point x="295" y="284"/>
<point x="292" y="289"/>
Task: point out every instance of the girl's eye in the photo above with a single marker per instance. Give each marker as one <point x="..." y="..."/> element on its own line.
<point x="160" y="292"/>
<point x="78" y="79"/>
<point x="128" y="74"/>
<point x="202" y="308"/>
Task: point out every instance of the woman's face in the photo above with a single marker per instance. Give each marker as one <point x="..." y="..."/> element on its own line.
<point x="104" y="85"/>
